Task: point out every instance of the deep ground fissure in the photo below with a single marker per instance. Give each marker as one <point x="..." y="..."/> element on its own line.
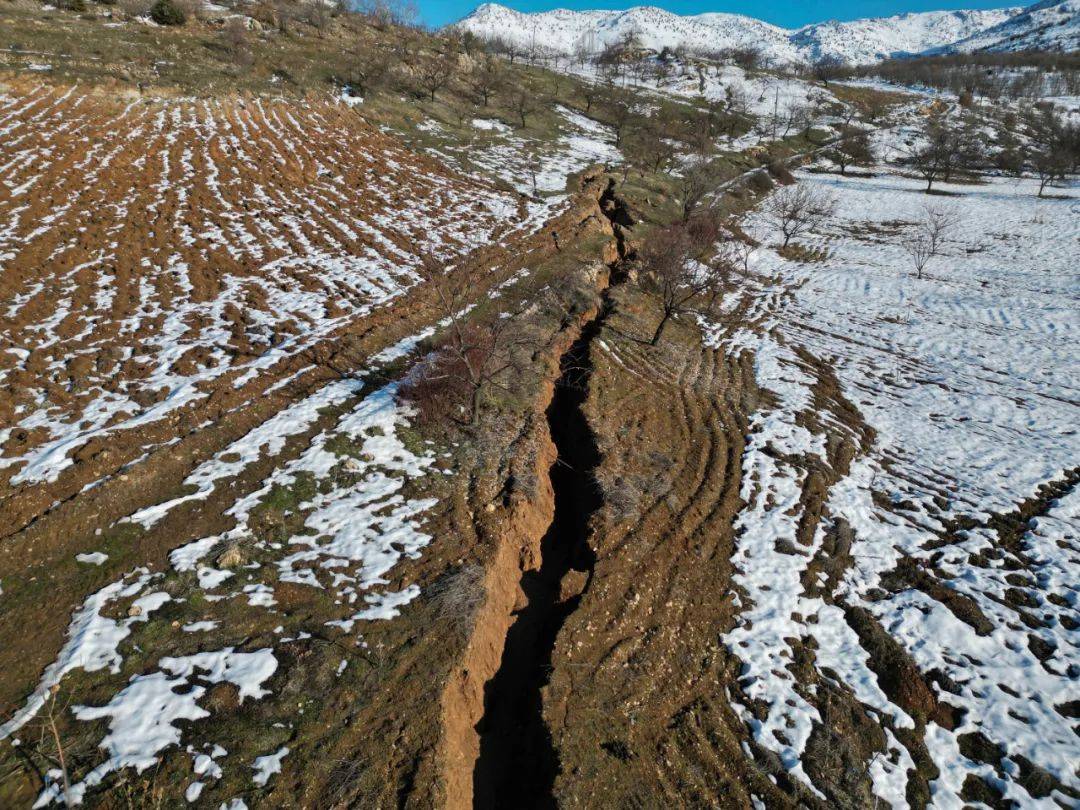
<point x="518" y="761"/>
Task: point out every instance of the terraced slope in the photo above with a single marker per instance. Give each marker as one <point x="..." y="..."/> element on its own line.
<point x="161" y="258"/>
<point x="833" y="563"/>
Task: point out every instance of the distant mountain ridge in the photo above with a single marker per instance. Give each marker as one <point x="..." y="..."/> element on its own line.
<point x="1053" y="25"/>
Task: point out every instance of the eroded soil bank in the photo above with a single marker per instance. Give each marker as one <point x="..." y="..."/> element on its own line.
<point x="518" y="764"/>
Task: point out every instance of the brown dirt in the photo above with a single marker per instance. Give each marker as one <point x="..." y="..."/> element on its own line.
<point x="48" y="523"/>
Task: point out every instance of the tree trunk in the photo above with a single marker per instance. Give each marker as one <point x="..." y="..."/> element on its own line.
<point x="660" y="329"/>
<point x="474" y="417"/>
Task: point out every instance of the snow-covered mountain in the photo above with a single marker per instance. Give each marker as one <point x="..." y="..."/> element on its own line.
<point x="871" y="40"/>
<point x="856" y="42"/>
<point x="1053" y="25"/>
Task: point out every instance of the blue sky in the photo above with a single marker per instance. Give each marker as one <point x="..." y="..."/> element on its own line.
<point x="788" y="13"/>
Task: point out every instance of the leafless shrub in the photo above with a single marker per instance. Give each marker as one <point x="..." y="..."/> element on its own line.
<point x="135" y="8"/>
<point x="61" y="758"/>
<point x="235" y="38"/>
<point x="317" y="14"/>
<point x="796" y="210"/>
<point x="928" y="237"/>
<point x="285" y="12"/>
<point x="192" y="9"/>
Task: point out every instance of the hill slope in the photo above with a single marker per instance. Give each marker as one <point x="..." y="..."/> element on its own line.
<point x="1046" y="26"/>
<point x="859" y="41"/>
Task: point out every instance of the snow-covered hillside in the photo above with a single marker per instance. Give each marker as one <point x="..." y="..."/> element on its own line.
<point x="1053" y="25"/>
<point x="866" y="41"/>
<point x="857" y="42"/>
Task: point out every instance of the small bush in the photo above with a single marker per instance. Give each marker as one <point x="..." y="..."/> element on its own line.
<point x="438" y="388"/>
<point x="759" y="183"/>
<point x="779" y="170"/>
<point x="457" y="596"/>
<point x="167" y="12"/>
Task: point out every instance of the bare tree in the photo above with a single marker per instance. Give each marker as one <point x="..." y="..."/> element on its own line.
<point x="487" y="79"/>
<point x="1049" y="154"/>
<point x="589" y="93"/>
<point x="747" y="58"/>
<point x="797" y="209"/>
<point x="671" y="269"/>
<point x="697" y="182"/>
<point x="928" y="237"/>
<point x="620" y="112"/>
<point x="829" y="69"/>
<point x="645" y="145"/>
<point x="435" y="72"/>
<point x="469" y="357"/>
<point x="938" y="156"/>
<point x="368" y="67"/>
<point x="524" y="104"/>
<point x="851" y="148"/>
<point x="742" y="251"/>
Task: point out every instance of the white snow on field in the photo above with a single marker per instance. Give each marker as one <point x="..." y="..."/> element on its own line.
<point x="92" y="640"/>
<point x="358" y="526"/>
<point x="267" y="439"/>
<point x="541" y="170"/>
<point x="490" y="125"/>
<point x="970" y="379"/>
<point x="294" y="260"/>
<point x="266" y="766"/>
<point x="141" y="716"/>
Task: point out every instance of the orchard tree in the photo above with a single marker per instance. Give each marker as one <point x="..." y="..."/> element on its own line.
<point x="368" y="68"/>
<point x="435" y="72"/>
<point x="697" y="181"/>
<point x="1050" y="153"/>
<point x="852" y="148"/>
<point x="928" y="237"/>
<point x="940" y="153"/>
<point x="487" y="79"/>
<point x="469" y="358"/>
<point x="798" y="209"/>
<point x="524" y="104"/>
<point x="672" y="271"/>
